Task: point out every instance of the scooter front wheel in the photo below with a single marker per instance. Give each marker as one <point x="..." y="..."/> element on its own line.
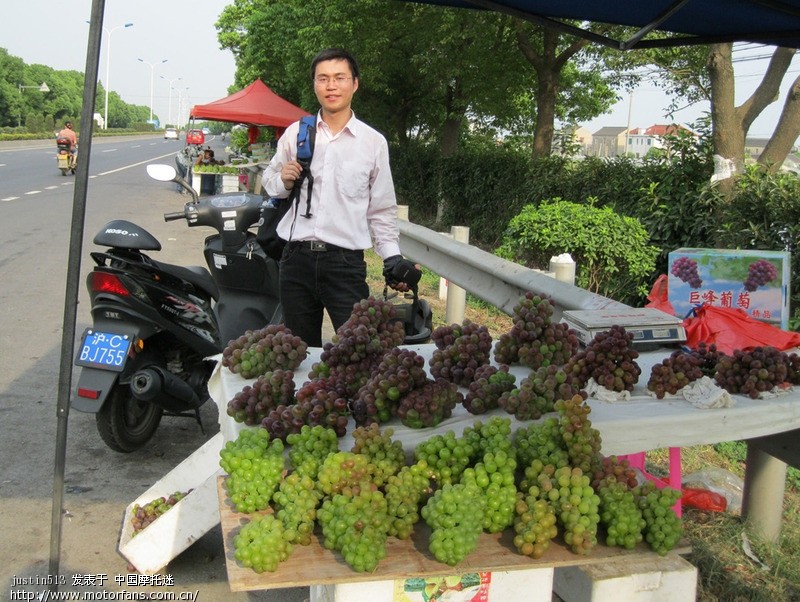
<point x="125" y="423"/>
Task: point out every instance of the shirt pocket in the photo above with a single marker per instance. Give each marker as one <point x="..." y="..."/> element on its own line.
<point x="353" y="182"/>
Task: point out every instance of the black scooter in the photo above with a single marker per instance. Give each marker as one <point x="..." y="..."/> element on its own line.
<point x="155" y="325"/>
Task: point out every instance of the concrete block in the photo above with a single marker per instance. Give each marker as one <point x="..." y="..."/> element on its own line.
<point x="631" y="579"/>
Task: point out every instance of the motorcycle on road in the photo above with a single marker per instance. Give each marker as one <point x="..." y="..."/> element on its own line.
<point x="155" y="325"/>
<point x="65" y="159"/>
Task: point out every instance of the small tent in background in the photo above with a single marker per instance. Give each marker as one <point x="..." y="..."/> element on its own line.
<point x="256" y="105"/>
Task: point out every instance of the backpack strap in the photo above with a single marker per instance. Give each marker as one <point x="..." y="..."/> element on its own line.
<point x="305" y="152"/>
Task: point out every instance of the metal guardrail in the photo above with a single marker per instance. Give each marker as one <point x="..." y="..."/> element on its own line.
<point x="495" y="280"/>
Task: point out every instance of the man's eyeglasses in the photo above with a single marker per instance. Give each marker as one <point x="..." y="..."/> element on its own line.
<point x="324" y="80"/>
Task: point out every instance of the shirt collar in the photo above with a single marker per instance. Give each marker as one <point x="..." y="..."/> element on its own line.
<point x="353" y="125"/>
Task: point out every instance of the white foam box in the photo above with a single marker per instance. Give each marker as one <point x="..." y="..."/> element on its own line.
<point x="632" y="579"/>
<point x="192" y="517"/>
<point x="532" y="585"/>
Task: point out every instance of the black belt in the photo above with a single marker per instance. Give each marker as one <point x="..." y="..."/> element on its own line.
<point x="315" y="245"/>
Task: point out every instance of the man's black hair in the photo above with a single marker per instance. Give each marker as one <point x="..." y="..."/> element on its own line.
<point x="332" y="54"/>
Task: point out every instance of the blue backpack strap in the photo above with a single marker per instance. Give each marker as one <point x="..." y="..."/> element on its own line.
<point x="305" y="151"/>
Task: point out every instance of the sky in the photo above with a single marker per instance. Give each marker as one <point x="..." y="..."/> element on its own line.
<point x="182" y="32"/>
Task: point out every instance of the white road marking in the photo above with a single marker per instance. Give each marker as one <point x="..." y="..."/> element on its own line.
<point x="105" y="173"/>
<point x="137" y="146"/>
<point x="111" y="150"/>
<point x="2" y="164"/>
<point x="9" y="198"/>
<point x="50" y="187"/>
<point x="33" y="192"/>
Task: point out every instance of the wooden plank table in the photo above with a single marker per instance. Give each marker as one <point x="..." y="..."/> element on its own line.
<point x="316" y="565"/>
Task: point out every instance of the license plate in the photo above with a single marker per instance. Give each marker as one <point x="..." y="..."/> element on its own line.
<point x="106" y="350"/>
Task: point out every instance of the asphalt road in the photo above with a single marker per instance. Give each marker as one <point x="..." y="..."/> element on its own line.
<point x="36" y="204"/>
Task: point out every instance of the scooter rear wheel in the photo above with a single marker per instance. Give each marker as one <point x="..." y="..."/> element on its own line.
<point x="125" y="423"/>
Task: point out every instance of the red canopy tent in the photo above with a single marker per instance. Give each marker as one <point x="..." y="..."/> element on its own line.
<point x="256" y="104"/>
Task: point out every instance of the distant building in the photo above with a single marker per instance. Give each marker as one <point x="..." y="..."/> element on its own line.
<point x="571" y="140"/>
<point x="608" y="142"/>
<point x="753" y="147"/>
<point x="641" y="141"/>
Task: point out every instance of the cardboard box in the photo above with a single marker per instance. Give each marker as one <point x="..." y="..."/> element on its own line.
<point x="179" y="527"/>
<point x="721" y="277"/>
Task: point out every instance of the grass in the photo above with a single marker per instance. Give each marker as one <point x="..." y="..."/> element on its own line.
<point x="726" y="572"/>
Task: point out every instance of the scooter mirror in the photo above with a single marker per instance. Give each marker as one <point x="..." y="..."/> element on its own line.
<point x="162" y="173"/>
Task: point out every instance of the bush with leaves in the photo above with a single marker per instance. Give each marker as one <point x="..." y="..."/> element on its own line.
<point x="611" y="251"/>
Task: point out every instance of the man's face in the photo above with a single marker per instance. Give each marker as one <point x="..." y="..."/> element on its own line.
<point x="334" y="85"/>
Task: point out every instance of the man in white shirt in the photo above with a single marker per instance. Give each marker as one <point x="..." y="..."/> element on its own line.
<point x="352" y="207"/>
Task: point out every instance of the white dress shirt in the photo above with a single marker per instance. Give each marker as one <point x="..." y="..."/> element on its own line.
<point x="353" y="202"/>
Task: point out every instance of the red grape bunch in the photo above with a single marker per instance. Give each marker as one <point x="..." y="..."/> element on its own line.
<point x="489" y="385"/>
<point x="756" y="370"/>
<point x="685" y="269"/>
<point x="534" y="340"/>
<point x="428" y="405"/>
<point x="400" y="371"/>
<point x="254" y="402"/>
<point x="470" y="349"/>
<point x="609" y="359"/>
<point x="370" y="330"/>
<point x="257" y="352"/>
<point x="142" y="516"/>
<point x="759" y="273"/>
<point x="675" y="372"/>
<point x="537" y="393"/>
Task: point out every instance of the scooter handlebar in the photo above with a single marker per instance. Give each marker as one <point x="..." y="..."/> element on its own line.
<point x="171" y="217"/>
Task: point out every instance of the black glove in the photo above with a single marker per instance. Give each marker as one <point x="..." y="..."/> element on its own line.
<point x="396" y="269"/>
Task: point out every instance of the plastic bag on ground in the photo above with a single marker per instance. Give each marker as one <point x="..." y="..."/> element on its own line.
<point x="720" y="481"/>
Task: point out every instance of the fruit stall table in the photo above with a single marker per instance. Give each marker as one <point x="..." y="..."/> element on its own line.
<point x="627" y="427"/>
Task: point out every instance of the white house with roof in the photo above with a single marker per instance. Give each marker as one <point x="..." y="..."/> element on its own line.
<point x="640" y="141"/>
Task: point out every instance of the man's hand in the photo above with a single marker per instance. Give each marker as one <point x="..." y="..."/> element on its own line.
<point x="400" y="273"/>
<point x="289" y="174"/>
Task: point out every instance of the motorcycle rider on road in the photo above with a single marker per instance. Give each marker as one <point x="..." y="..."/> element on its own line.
<point x="69" y="133"/>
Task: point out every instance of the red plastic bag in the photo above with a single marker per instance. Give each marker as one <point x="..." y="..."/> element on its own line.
<point x="703" y="499"/>
<point x="659" y="296"/>
<point x="730" y="329"/>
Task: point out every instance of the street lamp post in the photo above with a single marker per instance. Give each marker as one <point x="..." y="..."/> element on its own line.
<point x="181" y="100"/>
<point x="42" y="88"/>
<point x="171" y="81"/>
<point x="152" y="69"/>
<point x="108" y="66"/>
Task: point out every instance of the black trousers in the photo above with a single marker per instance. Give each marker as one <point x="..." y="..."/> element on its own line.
<point x="312" y="281"/>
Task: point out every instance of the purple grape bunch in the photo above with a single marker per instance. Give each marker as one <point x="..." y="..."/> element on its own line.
<point x="759" y="273"/>
<point x="685" y="269"/>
